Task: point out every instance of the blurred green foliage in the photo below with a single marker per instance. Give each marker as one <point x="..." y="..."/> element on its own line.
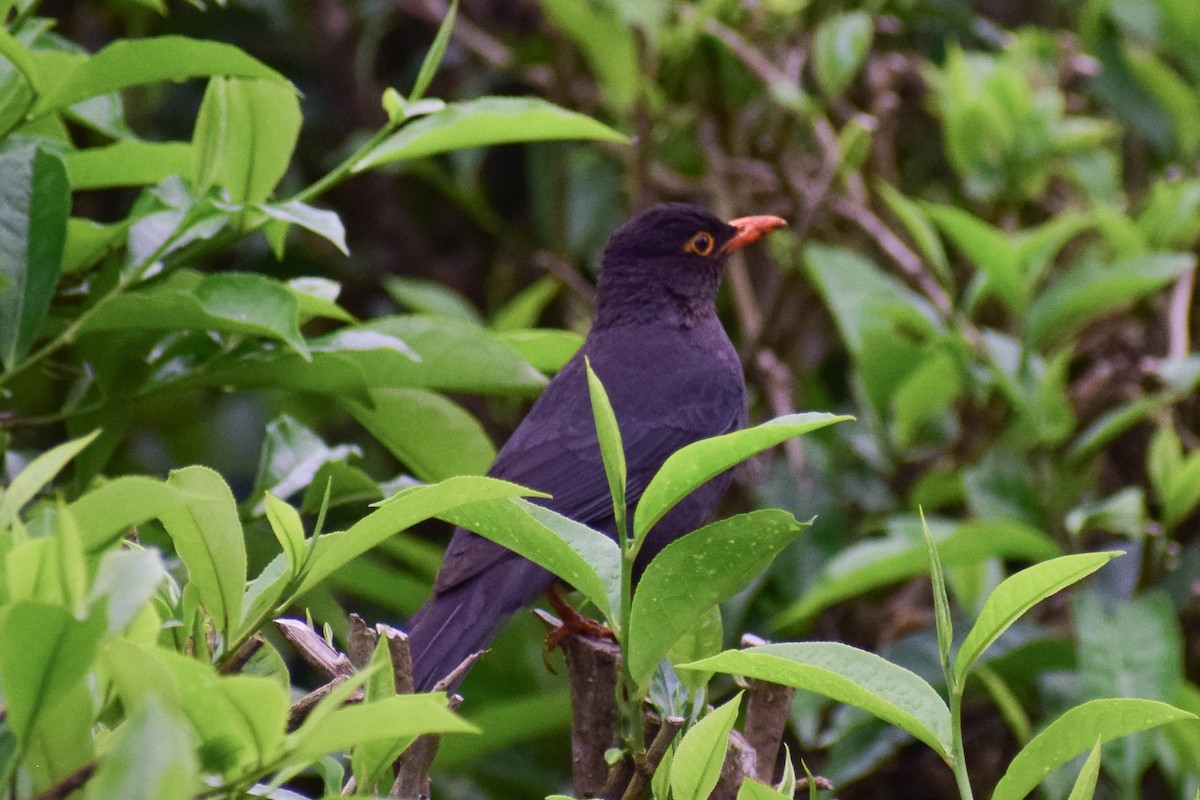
<point x="314" y="263"/>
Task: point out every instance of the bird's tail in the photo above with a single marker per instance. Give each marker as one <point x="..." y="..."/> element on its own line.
<point x="465" y="618"/>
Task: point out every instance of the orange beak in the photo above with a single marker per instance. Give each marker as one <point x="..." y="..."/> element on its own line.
<point x="751" y="229"/>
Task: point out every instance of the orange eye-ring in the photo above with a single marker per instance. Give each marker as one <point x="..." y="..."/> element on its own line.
<point x="701" y="244"/>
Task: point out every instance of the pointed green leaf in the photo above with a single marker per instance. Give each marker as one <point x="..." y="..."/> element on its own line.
<point x="696" y="766"/>
<point x="1085" y="782"/>
<point x="941" y="604"/>
<point x="753" y="790"/>
<point x="433" y="58"/>
<point x="690" y="467"/>
<point x="840" y="44"/>
<point x="44" y="651"/>
<point x="288" y="528"/>
<point x="482" y="122"/>
<point x="154" y="759"/>
<point x="1074" y="732"/>
<point x="402" y="716"/>
<point x="31" y="480"/>
<point x="207" y="535"/>
<point x="612" y="451"/>
<point x="848" y="675"/>
<point x="245" y="133"/>
<point x="584" y="558"/>
<point x="35" y="202"/>
<point x="132" y="62"/>
<point x="331" y="551"/>
<point x="430" y="434"/>
<point x="326" y="224"/>
<point x="107" y="512"/>
<point x="127" y="163"/>
<point x="1017" y="594"/>
<point x="695" y="573"/>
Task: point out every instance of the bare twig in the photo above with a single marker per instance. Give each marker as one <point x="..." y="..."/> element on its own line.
<point x="313" y="648"/>
<point x="593" y="665"/>
<point x="360" y="644"/>
<point x="458" y="672"/>
<point x="895" y="249"/>
<point x="70" y="784"/>
<point x="238" y="660"/>
<point x="302" y="707"/>
<point x="654" y="755"/>
<point x="544" y="259"/>
<point x="412" y="768"/>
<point x="739" y="764"/>
<point x="401" y="653"/>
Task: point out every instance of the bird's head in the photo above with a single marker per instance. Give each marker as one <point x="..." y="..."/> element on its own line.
<point x="669" y="257"/>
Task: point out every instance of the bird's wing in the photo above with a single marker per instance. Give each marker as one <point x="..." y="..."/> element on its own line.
<point x="558" y="454"/>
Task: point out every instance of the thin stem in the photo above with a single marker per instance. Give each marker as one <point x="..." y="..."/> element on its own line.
<point x="960" y="759"/>
<point x="342" y="170"/>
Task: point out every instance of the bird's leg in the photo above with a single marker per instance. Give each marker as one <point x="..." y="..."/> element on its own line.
<point x="572" y="622"/>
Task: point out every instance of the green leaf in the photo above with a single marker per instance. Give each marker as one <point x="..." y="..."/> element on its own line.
<point x="433" y="58"/>
<point x="696" y="766"/>
<point x="291" y="456"/>
<point x="126" y="163"/>
<point x="105" y="513"/>
<point x="331" y="551"/>
<point x="546" y="349"/>
<point x="1085" y="782"/>
<point x="608" y="45"/>
<point x="506" y="721"/>
<point x="840" y="45"/>
<point x="919" y="228"/>
<point x="848" y="675"/>
<point x="692" y="466"/>
<point x="288" y="528"/>
<point x="881" y="562"/>
<point x="36" y="475"/>
<point x="526" y="306"/>
<point x="35" y="202"/>
<point x="884" y="324"/>
<point x="1074" y="733"/>
<point x="208" y="537"/>
<point x="941" y="604"/>
<point x="154" y="759"/>
<point x="1175" y="95"/>
<point x="612" y="451"/>
<point x="753" y="790"/>
<point x="88" y="242"/>
<point x="584" y="558"/>
<point x="695" y="573"/>
<point x="133" y="62"/>
<point x="1092" y="290"/>
<point x="424" y="296"/>
<point x="324" y="223"/>
<point x="372" y="761"/>
<point x="1017" y="594"/>
<point x="125" y="581"/>
<point x="988" y="247"/>
<point x="482" y="122"/>
<point x="240" y="719"/>
<point x="432" y="435"/>
<point x="404" y="351"/>
<point x="227" y="302"/>
<point x="44" y="651"/>
<point x="402" y="716"/>
<point x="245" y="133"/>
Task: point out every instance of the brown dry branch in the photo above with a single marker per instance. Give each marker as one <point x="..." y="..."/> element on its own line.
<point x="313" y="648"/>
<point x="592" y="665"/>
<point x="740" y="764"/>
<point x="768" y="709"/>
<point x="412" y="768"/>
<point x="238" y="660"/>
<point x="644" y="771"/>
<point x="70" y="784"/>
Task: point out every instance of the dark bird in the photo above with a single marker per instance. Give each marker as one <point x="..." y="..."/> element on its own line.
<point x="672" y="377"/>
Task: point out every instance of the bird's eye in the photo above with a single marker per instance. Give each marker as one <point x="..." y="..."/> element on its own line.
<point x="701" y="244"/>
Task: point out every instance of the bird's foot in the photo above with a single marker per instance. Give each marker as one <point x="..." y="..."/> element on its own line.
<point x="572" y="623"/>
